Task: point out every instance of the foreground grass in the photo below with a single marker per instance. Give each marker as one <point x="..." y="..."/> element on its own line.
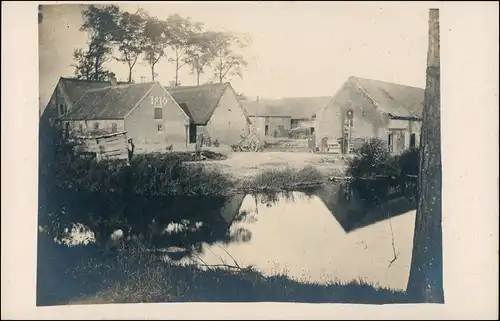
<point x="132" y="274"/>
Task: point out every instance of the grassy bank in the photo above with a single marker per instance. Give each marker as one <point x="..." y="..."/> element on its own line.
<point x="132" y="274"/>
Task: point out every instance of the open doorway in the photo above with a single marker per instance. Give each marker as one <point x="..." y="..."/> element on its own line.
<point x="413" y="141"/>
<point x="266" y="130"/>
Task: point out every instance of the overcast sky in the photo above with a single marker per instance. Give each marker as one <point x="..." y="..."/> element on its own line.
<point x="298" y="49"/>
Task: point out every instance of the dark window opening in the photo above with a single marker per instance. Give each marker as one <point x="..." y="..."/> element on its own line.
<point x="96" y="125"/>
<point x="412" y="141"/>
<point x="114" y="127"/>
<point x="192" y="134"/>
<point x="160" y="127"/>
<point x="158" y="113"/>
<point x="266" y="130"/>
<point x="80" y="127"/>
<point x="312" y="130"/>
<point x="61" y="109"/>
<point x="390" y="143"/>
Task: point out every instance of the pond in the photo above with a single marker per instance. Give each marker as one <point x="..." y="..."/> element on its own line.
<point x="317" y="238"/>
<point x="322" y="235"/>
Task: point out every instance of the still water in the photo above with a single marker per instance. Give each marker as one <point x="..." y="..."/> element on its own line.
<point x="320" y="236"/>
<point x="314" y="238"/>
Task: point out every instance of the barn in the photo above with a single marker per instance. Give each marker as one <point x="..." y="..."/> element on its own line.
<point x="146" y="112"/>
<point x="366" y="108"/>
<point x="214" y="112"/>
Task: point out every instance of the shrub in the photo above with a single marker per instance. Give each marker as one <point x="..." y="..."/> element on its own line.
<point x="372" y="159"/>
<point x="409" y="161"/>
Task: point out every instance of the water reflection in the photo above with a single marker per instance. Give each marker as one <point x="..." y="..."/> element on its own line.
<point x="315" y="235"/>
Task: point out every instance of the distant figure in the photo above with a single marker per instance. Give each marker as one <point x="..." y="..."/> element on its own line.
<point x="197" y="147"/>
<point x="130" y="149"/>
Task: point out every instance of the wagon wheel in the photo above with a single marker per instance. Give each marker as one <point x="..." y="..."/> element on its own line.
<point x="253" y="146"/>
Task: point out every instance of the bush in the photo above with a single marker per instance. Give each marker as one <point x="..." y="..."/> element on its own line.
<point x="372" y="159"/>
<point x="284" y="179"/>
<point x="409" y="162"/>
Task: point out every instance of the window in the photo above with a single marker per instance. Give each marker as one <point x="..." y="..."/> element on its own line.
<point x="390" y="143"/>
<point x="158" y="113"/>
<point x="192" y="134"/>
<point x="412" y="141"/>
<point x="80" y="127"/>
<point x="61" y="109"/>
<point x="96" y="125"/>
<point x="114" y="127"/>
<point x="160" y="127"/>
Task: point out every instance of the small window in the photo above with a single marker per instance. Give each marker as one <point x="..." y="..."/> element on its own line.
<point x="61" y="109"/>
<point x="390" y="142"/>
<point x="96" y="125"/>
<point x="160" y="127"/>
<point x="114" y="127"/>
<point x="80" y="127"/>
<point x="158" y="113"/>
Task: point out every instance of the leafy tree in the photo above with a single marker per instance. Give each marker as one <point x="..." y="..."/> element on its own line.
<point x="130" y="39"/>
<point x="228" y="62"/>
<point x="181" y="33"/>
<point x="155" y="42"/>
<point x="100" y="22"/>
<point x="84" y="67"/>
<point x="202" y="53"/>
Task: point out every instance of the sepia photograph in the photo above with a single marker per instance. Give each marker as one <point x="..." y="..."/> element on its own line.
<point x="191" y="155"/>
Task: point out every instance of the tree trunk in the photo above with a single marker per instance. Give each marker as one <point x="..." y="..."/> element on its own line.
<point x="96" y="68"/>
<point x="425" y="283"/>
<point x="177" y="72"/>
<point x="197" y="77"/>
<point x="129" y="74"/>
<point x="153" y="72"/>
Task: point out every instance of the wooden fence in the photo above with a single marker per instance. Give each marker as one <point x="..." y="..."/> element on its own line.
<point x="108" y="146"/>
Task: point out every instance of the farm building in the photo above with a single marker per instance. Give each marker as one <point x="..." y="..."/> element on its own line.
<point x="146" y="112"/>
<point x="365" y="108"/>
<point x="214" y="111"/>
<point x="277" y="117"/>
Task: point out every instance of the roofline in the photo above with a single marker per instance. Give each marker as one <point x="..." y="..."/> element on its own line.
<point x="228" y="84"/>
<point x="218" y="102"/>
<point x="140" y="100"/>
<point x="368" y="95"/>
<point x="396" y="117"/>
<point x="173" y="99"/>
<point x="277" y="116"/>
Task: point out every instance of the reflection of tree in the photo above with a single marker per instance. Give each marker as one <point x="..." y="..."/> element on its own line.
<point x="196" y="219"/>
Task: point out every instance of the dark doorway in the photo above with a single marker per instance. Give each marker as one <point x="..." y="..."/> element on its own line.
<point x="412" y="141"/>
<point x="266" y="130"/>
<point x="312" y="130"/>
<point x="192" y="134"/>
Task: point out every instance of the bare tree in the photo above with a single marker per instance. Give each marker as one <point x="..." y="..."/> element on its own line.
<point x="426" y="274"/>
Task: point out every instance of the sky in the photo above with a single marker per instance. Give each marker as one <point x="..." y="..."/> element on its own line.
<point x="299" y="49"/>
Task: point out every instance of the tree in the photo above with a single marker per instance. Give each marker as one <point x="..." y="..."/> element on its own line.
<point x="425" y="283"/>
<point x="202" y="53"/>
<point x="181" y="33"/>
<point x="101" y="23"/>
<point x="227" y="62"/>
<point x="155" y="42"/>
<point x="130" y="40"/>
<point x="84" y="67"/>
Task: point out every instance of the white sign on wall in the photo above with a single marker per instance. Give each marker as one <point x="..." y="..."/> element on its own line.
<point x="158" y="100"/>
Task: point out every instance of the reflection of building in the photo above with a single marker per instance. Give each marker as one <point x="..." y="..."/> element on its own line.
<point x="388" y="111"/>
<point x="351" y="213"/>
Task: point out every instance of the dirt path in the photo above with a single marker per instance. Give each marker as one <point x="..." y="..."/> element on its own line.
<point x="244" y="164"/>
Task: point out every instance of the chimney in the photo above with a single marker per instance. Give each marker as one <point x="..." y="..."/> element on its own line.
<point x="112" y="79"/>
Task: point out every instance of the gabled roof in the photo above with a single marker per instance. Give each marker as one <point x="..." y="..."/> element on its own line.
<point x="394" y="99"/>
<point x="112" y="102"/>
<point x="75" y="88"/>
<point x="199" y="102"/>
<point x="294" y="107"/>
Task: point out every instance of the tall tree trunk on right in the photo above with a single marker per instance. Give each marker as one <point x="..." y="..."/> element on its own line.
<point x="425" y="283"/>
